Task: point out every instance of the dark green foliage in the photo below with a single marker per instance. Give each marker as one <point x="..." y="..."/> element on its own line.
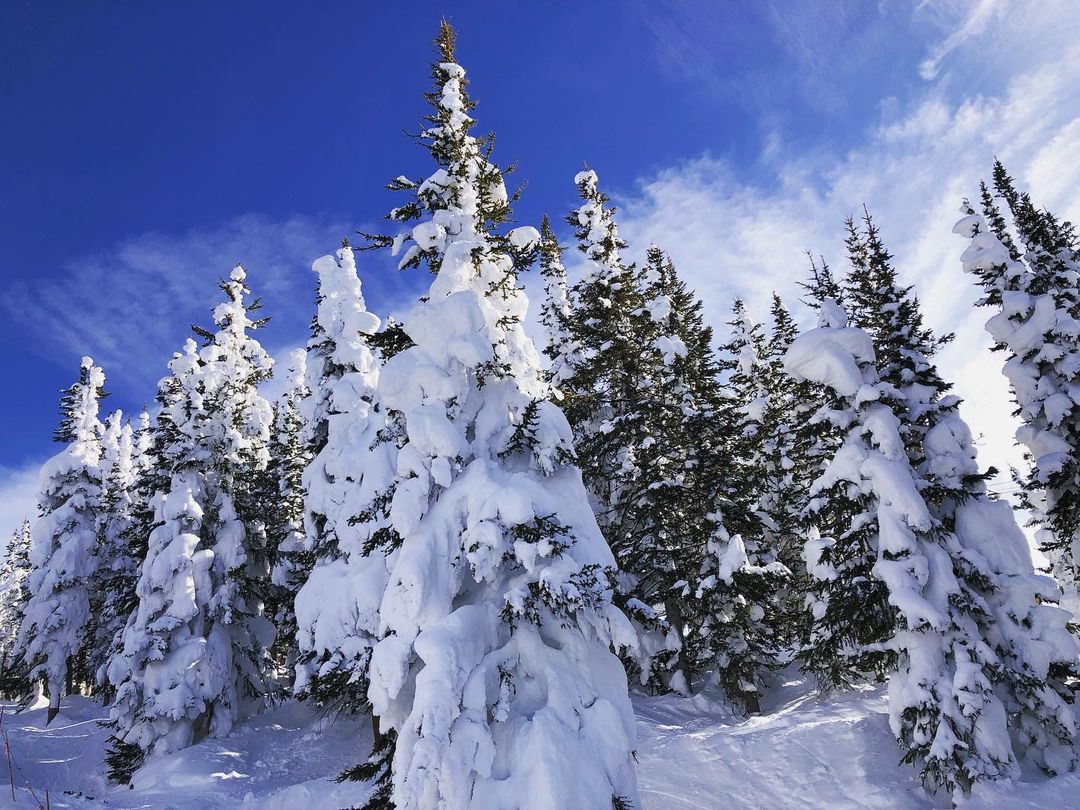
<point x="376" y="770"/>
<point x="123" y="759"/>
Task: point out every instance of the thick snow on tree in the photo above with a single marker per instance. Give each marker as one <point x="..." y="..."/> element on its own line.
<point x="195" y="650"/>
<point x="974" y="645"/>
<point x="337" y="607"/>
<point x="64" y="539"/>
<point x="846" y="601"/>
<point x="13" y="598"/>
<point x="285" y="536"/>
<point x="117" y="571"/>
<point x="1032" y="282"/>
<point x="494" y="669"/>
<point x="556" y="313"/>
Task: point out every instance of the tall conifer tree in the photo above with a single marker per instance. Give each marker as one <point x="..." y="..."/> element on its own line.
<point x="1031" y="281"/>
<point x="195" y="650"/>
<point x="344" y="503"/>
<point x="497" y="614"/>
<point x="117" y="573"/>
<point x="53" y="638"/>
<point x="14" y="680"/>
<point x="289" y="456"/>
<point x="975" y="646"/>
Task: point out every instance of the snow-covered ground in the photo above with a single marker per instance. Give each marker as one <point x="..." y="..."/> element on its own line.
<point x="804" y="751"/>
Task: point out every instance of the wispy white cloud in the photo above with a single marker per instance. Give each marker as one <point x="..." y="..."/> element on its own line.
<point x="18" y="499"/>
<point x="736" y="239"/>
<point x="975" y="17"/>
<point x="763" y="52"/>
<point x="131" y="306"/>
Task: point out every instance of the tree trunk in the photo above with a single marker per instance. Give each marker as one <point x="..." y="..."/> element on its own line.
<point x="753" y="702"/>
<point x="54" y="704"/>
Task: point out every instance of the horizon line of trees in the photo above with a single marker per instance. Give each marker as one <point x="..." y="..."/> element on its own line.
<point x="484" y="550"/>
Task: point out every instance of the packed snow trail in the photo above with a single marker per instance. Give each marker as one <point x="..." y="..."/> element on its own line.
<point x="803" y="751"/>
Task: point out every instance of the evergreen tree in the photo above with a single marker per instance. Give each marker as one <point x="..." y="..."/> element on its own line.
<point x="740" y="579"/>
<point x="1032" y="284"/>
<point x="787" y="472"/>
<point x="744" y="361"/>
<point x="853" y="613"/>
<point x="285" y="536"/>
<point x="976" y="647"/>
<point x="195" y="650"/>
<point x="824" y="516"/>
<point x="556" y="313"/>
<point x="14" y="680"/>
<point x="611" y="361"/>
<point x="53" y="637"/>
<point x="113" y="591"/>
<point x="338" y="605"/>
<point x="497" y="612"/>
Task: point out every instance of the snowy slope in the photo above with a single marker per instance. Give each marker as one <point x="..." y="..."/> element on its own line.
<point x="804" y="751"/>
<point x="285" y="758"/>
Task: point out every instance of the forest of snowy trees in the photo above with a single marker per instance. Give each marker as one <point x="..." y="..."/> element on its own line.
<point x="486" y="546"/>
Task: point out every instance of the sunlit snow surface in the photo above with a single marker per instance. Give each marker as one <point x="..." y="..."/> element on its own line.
<point x="804" y="752"/>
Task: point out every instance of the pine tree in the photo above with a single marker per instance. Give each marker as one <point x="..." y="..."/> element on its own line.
<point x="195" y="650"/>
<point x="787" y="471"/>
<point x="783" y="495"/>
<point x="612" y="359"/>
<point x="846" y="593"/>
<point x="1032" y="284"/>
<point x="285" y="536"/>
<point x="823" y="516"/>
<point x="497" y="612"/>
<point x="556" y="313"/>
<point x="740" y="579"/>
<point x="744" y="360"/>
<point x="113" y="591"/>
<point x="850" y="615"/>
<point x="14" y="680"/>
<point x="53" y="637"/>
<point x="338" y="605"/>
<point x="976" y="649"/>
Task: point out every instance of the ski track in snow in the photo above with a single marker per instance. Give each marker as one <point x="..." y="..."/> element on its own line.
<point x="804" y="751"/>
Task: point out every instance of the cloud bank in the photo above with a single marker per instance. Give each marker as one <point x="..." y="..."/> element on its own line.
<point x="731" y="238"/>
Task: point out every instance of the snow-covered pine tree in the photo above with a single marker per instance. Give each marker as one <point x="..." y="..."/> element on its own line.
<point x="784" y="495"/>
<point x="611" y="359"/>
<point x="149" y="477"/>
<point x="744" y="362"/>
<point x="1032" y="282"/>
<point x="53" y="638"/>
<point x="345" y="503"/>
<point x="556" y="312"/>
<point x="975" y="646"/>
<point x="195" y="650"/>
<point x="14" y="682"/>
<point x="844" y="594"/>
<point x="285" y="536"/>
<point x="494" y="670"/>
<point x="850" y="616"/>
<point x="113" y="591"/>
<point x="604" y="386"/>
<point x="736" y="631"/>
<point x="821" y="519"/>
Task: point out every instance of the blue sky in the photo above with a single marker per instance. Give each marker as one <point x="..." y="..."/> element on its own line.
<point x="148" y="147"/>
